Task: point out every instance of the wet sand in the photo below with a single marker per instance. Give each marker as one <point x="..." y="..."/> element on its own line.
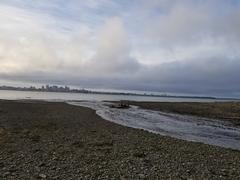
<point x="60" y="141"/>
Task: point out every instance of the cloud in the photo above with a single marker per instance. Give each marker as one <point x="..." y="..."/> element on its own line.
<point x="113" y="52"/>
<point x="33" y="48"/>
<point x="175" y="46"/>
<point x="198" y="75"/>
<point x="209" y="76"/>
<point x="194" y="21"/>
<point x="29" y="42"/>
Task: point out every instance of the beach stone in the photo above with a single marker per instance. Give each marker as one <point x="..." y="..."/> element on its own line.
<point x="42" y="164"/>
<point x="141" y="176"/>
<point x="6" y="173"/>
<point x="43" y="176"/>
<point x="133" y="154"/>
<point x="55" y="177"/>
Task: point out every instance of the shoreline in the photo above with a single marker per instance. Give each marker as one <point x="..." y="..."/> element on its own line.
<point x="185" y="127"/>
<point x="55" y="140"/>
<point x="224" y="111"/>
<point x="86" y="91"/>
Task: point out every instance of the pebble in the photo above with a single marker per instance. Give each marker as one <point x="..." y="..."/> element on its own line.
<point x="141" y="176"/>
<point x="42" y="176"/>
<point x="6" y="174"/>
<point x="135" y="156"/>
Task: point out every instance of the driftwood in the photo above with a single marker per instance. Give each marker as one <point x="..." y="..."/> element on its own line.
<point x="121" y="105"/>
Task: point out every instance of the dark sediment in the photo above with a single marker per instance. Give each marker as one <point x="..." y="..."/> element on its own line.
<point x="57" y="141"/>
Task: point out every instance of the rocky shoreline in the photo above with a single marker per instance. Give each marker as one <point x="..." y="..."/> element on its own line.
<point x="52" y="140"/>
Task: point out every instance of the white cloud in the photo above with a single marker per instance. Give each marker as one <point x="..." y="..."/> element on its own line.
<point x="192" y="22"/>
<point x="29" y="42"/>
<point x="113" y="52"/>
<point x="159" y="44"/>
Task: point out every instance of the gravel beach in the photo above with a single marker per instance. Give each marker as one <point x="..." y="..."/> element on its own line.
<point x="53" y="140"/>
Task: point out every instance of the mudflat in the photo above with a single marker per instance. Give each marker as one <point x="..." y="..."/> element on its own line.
<point x="226" y="111"/>
<point x="52" y="140"/>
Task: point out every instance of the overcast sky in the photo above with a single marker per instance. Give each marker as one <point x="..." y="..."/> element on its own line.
<point x="178" y="46"/>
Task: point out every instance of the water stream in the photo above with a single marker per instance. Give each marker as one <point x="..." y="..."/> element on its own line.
<point x="184" y="127"/>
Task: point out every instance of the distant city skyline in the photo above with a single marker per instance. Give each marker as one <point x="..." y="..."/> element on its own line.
<point x="66" y="89"/>
<point x="177" y="46"/>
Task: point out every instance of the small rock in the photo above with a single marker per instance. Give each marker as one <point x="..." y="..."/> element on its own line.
<point x="42" y="176"/>
<point x="55" y="177"/>
<point x="42" y="164"/>
<point x="139" y="154"/>
<point x="37" y="168"/>
<point x="6" y="174"/>
<point x="141" y="176"/>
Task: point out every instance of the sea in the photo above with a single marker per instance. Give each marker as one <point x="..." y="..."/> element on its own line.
<point x="61" y="96"/>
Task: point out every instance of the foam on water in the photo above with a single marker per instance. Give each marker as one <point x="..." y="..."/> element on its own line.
<point x="188" y="128"/>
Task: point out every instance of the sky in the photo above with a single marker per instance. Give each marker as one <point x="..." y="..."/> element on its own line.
<point x="175" y="46"/>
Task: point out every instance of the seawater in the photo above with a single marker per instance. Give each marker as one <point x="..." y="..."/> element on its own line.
<point x="59" y="96"/>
